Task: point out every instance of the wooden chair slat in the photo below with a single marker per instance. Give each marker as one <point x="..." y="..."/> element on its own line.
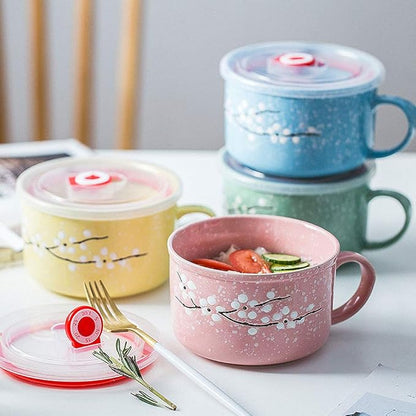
<point x="127" y="70"/>
<point x="83" y="70"/>
<point x="39" y="70"/>
<point x="128" y="73"/>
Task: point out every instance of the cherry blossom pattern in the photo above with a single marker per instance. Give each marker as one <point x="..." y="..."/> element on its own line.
<point x="282" y="318"/>
<point x="64" y="248"/>
<point x="263" y="206"/>
<point x="243" y="311"/>
<point x="208" y="308"/>
<point x="259" y="121"/>
<point x="37" y="244"/>
<point x="186" y="288"/>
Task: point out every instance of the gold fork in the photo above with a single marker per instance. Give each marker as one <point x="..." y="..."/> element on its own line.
<point x="115" y="321"/>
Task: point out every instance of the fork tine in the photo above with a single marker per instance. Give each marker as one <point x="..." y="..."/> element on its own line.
<point x="89" y="292"/>
<point x="96" y="301"/>
<point x="103" y="303"/>
<point x="93" y="301"/>
<point x="114" y="320"/>
<point x="89" y="296"/>
<point x="114" y="309"/>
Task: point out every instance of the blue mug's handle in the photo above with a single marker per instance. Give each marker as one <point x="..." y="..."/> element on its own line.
<point x="409" y="111"/>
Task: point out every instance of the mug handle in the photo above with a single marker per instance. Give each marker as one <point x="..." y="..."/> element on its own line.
<point x="409" y="111"/>
<point x="361" y="295"/>
<point x="189" y="209"/>
<point x="407" y="208"/>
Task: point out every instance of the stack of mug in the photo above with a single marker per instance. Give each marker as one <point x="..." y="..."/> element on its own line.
<point x="299" y="135"/>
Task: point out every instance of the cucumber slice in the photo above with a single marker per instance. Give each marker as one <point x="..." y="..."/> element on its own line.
<point x="278" y="268"/>
<point x="281" y="258"/>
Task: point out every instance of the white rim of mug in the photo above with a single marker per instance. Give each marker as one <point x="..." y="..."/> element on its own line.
<point x="90" y="211"/>
<point x="237" y="277"/>
<point x="295" y="186"/>
<point x="323" y="91"/>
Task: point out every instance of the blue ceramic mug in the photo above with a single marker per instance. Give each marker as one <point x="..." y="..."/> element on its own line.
<point x="305" y="110"/>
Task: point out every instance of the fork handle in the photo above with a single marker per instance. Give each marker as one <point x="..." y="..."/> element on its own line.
<point x="201" y="380"/>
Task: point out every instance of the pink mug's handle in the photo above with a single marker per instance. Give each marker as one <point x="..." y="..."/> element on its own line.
<point x="360" y="297"/>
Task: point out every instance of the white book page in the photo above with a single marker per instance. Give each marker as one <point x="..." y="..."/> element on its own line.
<point x="14" y="159"/>
<point x="385" y="392"/>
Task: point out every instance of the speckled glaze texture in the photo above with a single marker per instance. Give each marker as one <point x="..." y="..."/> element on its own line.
<point x="254" y="319"/>
<point x="343" y="213"/>
<point x="305" y="137"/>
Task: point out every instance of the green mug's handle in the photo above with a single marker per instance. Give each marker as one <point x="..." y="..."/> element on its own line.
<point x="189" y="209"/>
<point x="407" y="208"/>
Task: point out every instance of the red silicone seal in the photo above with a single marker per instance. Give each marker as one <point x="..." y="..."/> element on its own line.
<point x="84" y="326"/>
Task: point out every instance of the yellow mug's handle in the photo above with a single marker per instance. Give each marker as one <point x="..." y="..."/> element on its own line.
<point x="189" y="209"/>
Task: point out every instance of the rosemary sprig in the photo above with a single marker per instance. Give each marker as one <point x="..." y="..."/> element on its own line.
<point x="126" y="366"/>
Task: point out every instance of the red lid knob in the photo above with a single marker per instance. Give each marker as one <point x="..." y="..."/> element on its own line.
<point x="84" y="326"/>
<point x="296" y="59"/>
<point x="90" y="178"/>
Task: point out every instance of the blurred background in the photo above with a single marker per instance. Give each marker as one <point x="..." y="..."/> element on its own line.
<point x="179" y="46"/>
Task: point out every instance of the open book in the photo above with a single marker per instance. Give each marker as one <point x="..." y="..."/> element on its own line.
<point x="385" y="392"/>
<point x="14" y="159"/>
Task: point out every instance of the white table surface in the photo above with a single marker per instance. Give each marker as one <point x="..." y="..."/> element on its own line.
<point x="384" y="331"/>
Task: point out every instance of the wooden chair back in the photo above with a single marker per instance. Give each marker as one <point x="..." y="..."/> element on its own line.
<point x="128" y="68"/>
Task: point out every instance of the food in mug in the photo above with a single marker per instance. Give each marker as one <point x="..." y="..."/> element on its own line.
<point x="281" y="258"/>
<point x="276" y="267"/>
<point x="214" y="264"/>
<point x="256" y="261"/>
<point x="248" y="261"/>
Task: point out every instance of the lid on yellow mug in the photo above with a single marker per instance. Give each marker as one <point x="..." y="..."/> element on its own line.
<point x="99" y="188"/>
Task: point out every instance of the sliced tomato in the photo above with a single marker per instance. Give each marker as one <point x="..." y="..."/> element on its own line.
<point x="214" y="264"/>
<point x="248" y="261"/>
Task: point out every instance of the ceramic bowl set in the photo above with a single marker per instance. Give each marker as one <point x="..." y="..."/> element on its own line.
<point x="299" y="132"/>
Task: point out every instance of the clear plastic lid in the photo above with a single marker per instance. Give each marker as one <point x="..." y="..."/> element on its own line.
<point x="302" y="70"/>
<point x="34" y="346"/>
<point x="99" y="188"/>
<point x="261" y="182"/>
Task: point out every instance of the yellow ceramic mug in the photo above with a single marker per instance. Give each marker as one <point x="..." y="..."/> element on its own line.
<point x="99" y="218"/>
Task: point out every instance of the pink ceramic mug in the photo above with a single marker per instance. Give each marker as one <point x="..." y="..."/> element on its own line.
<point x="257" y="319"/>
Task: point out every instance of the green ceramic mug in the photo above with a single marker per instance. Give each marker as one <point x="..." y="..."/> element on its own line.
<point x="337" y="203"/>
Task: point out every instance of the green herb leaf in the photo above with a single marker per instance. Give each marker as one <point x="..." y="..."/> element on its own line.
<point x="118" y="371"/>
<point x="100" y="354"/>
<point x="141" y="395"/>
<point x="126" y="366"/>
<point x="132" y="363"/>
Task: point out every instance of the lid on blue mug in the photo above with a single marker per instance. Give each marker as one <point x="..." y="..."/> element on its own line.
<point x="302" y="69"/>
